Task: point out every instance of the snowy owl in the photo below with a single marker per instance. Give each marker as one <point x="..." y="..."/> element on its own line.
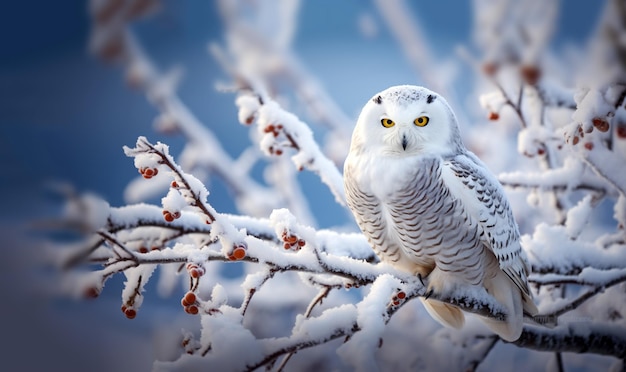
<point x="430" y="207"/>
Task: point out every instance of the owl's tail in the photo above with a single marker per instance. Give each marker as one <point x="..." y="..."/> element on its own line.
<point x="444" y="313"/>
<point x="503" y="289"/>
<point x="506" y="292"/>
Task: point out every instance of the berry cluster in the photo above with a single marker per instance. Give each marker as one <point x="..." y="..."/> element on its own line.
<point x="398" y="298"/>
<point x="170" y="216"/>
<point x="239" y="252"/>
<point x="194" y="270"/>
<point x="275" y="151"/>
<point x="274" y="129"/>
<point x="601" y="125"/>
<point x="190" y="303"/>
<point x="148" y="172"/>
<point x="188" y="344"/>
<point x="541" y="149"/>
<point x="292" y="241"/>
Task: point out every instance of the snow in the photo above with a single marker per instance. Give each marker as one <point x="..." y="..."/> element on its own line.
<point x="308" y="154"/>
<point x="136" y="280"/>
<point x="358" y="352"/>
<point x="578" y="216"/>
<point x="174" y="201"/>
<point x="340" y="318"/>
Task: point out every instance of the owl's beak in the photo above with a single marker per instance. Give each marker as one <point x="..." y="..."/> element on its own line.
<point x="405" y="142"/>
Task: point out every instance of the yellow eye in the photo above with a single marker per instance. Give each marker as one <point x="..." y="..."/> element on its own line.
<point x="421" y="121"/>
<point x="387" y="123"/>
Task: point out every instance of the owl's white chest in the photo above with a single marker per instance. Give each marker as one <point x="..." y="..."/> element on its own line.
<point x="383" y="176"/>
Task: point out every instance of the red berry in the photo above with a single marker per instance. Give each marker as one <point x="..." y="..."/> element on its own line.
<point x="490" y="68"/>
<point x="174" y="184"/>
<point x="190" y="297"/>
<point x="493" y="116"/>
<point x="143" y="249"/>
<point x="575" y="140"/>
<point x="196" y="272"/>
<point x="301" y="243"/>
<point x="287" y="245"/>
<point x="530" y="74"/>
<point x="130" y="313"/>
<point x="541" y="151"/>
<point x="155" y="248"/>
<point x="176" y="215"/>
<point x="621" y="131"/>
<point x="91" y="292"/>
<point x="279" y="152"/>
<point x="239" y="252"/>
<point x="168" y="217"/>
<point x="184" y="302"/>
<point x="401" y="295"/>
<point x="589" y="145"/>
<point x="291" y="239"/>
<point x="149" y="172"/>
<point x="396" y="303"/>
<point x="192" y="309"/>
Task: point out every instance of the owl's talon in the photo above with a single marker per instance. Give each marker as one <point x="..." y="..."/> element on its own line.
<point x="419" y="276"/>
<point x="428" y="294"/>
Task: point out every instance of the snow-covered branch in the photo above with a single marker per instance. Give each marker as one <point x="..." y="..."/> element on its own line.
<point x="603" y="339"/>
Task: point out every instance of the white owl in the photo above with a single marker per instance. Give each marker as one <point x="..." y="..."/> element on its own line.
<point x="429" y="206"/>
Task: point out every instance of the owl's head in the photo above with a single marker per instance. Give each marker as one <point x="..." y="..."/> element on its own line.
<point x="407" y="120"/>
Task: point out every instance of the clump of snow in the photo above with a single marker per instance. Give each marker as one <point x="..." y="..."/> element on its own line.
<point x="89" y="209"/>
<point x="338" y="318"/>
<point x="620" y="211"/>
<point x="233" y="346"/>
<point x="359" y="351"/>
<point x="590" y="104"/>
<point x="248" y="106"/>
<point x="578" y="216"/>
<point x="531" y="140"/>
<point x="493" y="101"/>
<point x="174" y="201"/>
<point x="136" y="279"/>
